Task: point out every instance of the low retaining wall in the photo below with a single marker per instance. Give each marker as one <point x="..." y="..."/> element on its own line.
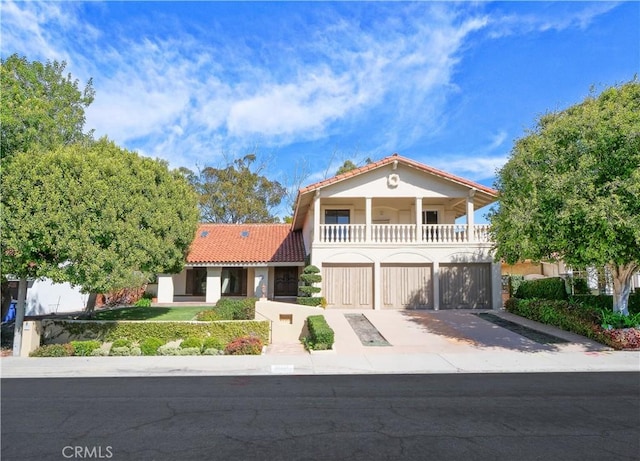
<point x="288" y="320"/>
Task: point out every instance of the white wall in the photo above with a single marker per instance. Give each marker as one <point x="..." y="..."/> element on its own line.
<point x="46" y="297"/>
<point x="412" y="183"/>
<point x="165" y="288"/>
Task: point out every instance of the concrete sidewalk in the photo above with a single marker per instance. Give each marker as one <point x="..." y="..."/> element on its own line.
<point x="421" y="342"/>
<point x="499" y="361"/>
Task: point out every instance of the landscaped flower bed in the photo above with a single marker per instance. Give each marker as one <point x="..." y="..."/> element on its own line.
<point x="606" y="327"/>
<point x="246" y="345"/>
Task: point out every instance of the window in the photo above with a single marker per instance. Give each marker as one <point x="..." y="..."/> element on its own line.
<point x="339" y="218"/>
<point x="196" y="281"/>
<point x="234" y="281"/>
<point x="430" y="217"/>
<point x="336" y="216"/>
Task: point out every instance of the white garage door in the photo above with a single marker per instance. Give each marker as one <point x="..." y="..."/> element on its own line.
<point x="407" y="286"/>
<point x="465" y="286"/>
<point x="348" y="286"/>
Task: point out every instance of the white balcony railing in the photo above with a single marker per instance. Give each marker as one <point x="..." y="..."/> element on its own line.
<point x="404" y="233"/>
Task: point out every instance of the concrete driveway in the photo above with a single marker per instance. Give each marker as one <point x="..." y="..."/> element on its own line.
<point x="417" y="332"/>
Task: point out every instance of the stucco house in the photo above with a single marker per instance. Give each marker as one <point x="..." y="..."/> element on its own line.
<point x="386" y="235"/>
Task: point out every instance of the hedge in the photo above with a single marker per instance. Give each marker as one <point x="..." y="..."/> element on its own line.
<point x="230" y="309"/>
<point x="606" y="302"/>
<point x="321" y="336"/>
<point x="549" y="288"/>
<point x="575" y="318"/>
<point x="139" y="330"/>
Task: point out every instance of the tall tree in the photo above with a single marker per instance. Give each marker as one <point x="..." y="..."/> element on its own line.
<point x="571" y="189"/>
<point x="237" y="193"/>
<point x="94" y="215"/>
<point x="41" y="106"/>
<point x="347" y="166"/>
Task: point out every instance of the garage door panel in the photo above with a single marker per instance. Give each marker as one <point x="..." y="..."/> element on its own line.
<point x="465" y="286"/>
<point x="407" y="286"/>
<point x="348" y="286"/>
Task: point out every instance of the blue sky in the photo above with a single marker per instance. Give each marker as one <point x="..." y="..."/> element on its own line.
<point x="308" y="85"/>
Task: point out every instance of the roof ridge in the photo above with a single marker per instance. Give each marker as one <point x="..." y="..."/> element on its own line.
<point x="390" y="159"/>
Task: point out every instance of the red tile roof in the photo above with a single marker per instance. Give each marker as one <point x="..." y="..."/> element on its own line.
<point x="246" y="243"/>
<point x="406" y="161"/>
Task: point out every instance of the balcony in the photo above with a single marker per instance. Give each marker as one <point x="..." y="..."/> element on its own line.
<point x="451" y="234"/>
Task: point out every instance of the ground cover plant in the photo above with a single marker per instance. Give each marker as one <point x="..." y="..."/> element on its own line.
<point x="243" y="345"/>
<point x="247" y="345"/>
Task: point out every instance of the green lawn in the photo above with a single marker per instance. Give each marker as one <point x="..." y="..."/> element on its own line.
<point x="150" y="313"/>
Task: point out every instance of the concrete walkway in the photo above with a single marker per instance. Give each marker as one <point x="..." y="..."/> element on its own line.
<point x="421" y="342"/>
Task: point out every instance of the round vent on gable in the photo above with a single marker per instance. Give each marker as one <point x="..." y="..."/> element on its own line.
<point x="393" y="180"/>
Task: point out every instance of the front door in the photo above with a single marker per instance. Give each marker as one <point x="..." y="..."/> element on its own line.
<point x="286" y="282"/>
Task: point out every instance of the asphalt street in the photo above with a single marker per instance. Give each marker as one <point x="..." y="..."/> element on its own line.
<point x="548" y="416"/>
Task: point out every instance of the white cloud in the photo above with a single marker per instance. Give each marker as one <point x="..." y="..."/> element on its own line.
<point x="557" y="18"/>
<point x="190" y="96"/>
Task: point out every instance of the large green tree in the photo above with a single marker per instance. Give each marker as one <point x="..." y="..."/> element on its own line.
<point x="41" y="106"/>
<point x="94" y="215"/>
<point x="571" y="189"/>
<point x="237" y="193"/>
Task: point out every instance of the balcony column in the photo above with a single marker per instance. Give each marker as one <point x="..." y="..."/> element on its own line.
<point x="316" y="217"/>
<point x="470" y="211"/>
<point x="367" y="219"/>
<point x="418" y="219"/>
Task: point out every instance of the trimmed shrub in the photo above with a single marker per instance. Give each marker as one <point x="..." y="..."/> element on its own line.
<point x="230" y="309"/>
<point x="135" y="350"/>
<point x="606" y="302"/>
<point x="85" y="348"/>
<point x="310" y="275"/>
<point x="247" y="345"/>
<point x="53" y="350"/>
<point x="120" y="351"/>
<point x="191" y="342"/>
<point x="99" y="352"/>
<point x="321" y="336"/>
<point x="168" y="350"/>
<point x="549" y="288"/>
<point x="121" y="342"/>
<point x="189" y="351"/>
<point x="149" y="346"/>
<point x="309" y="290"/>
<point x="314" y="302"/>
<point x="213" y="343"/>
